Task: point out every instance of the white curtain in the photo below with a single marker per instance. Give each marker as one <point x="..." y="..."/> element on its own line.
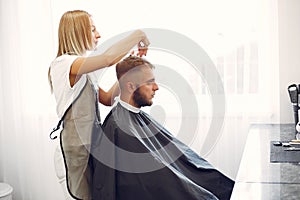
<point x="239" y="36"/>
<point x="27" y="108"/>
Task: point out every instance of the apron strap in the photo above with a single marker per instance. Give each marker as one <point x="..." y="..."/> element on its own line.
<point x="62" y="118"/>
<point x="98" y="119"/>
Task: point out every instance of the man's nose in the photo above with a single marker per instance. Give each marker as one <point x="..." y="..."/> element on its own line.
<point x="155" y="87"/>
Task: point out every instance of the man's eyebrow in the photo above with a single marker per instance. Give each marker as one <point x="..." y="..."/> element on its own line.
<point x="150" y="80"/>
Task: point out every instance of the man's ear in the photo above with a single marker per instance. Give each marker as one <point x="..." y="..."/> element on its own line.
<point x="130" y="87"/>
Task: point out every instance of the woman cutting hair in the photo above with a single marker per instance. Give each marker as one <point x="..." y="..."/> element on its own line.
<point x="76" y="97"/>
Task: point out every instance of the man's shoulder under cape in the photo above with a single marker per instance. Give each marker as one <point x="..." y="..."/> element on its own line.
<point x="137" y="158"/>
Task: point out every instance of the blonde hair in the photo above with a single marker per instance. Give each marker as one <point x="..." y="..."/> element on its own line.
<point x="74" y="35"/>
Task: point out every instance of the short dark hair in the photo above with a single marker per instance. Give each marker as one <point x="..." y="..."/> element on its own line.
<point x="130" y="63"/>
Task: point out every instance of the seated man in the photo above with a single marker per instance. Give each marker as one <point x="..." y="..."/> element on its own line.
<point x="135" y="158"/>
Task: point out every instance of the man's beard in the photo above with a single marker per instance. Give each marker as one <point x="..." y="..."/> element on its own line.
<point x="139" y="99"/>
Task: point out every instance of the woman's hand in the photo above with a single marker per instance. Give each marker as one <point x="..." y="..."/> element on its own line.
<point x="143" y="45"/>
<point x="142" y="49"/>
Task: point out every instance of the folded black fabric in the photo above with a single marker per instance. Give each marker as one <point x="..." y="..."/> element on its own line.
<point x="280" y="154"/>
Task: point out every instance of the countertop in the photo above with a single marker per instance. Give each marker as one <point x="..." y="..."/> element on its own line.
<point x="257" y="177"/>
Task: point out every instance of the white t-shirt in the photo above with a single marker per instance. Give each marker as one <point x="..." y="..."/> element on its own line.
<point x="63" y="92"/>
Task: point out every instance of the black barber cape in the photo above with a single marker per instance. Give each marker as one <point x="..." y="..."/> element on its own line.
<point x="135" y="158"/>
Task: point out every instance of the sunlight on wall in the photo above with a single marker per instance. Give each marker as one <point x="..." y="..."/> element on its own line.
<point x="209" y="23"/>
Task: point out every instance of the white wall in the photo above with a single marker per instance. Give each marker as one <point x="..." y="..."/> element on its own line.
<point x="289" y="53"/>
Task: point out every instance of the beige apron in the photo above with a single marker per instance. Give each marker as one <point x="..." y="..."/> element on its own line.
<point x="76" y="140"/>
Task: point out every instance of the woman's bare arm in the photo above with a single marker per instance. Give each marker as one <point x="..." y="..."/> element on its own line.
<point x="107" y="98"/>
<point x="115" y="53"/>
